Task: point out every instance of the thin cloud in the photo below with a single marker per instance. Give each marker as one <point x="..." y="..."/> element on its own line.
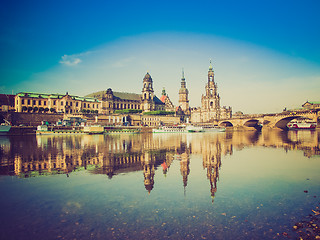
<point x="70" y="60"/>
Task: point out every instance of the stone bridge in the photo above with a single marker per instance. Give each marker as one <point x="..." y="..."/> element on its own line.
<point x="278" y="120"/>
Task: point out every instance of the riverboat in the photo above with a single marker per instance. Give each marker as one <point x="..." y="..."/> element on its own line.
<point x="213" y="129"/>
<point x="170" y="129"/>
<point x="192" y="128"/>
<point x="302" y="125"/>
<point x="44" y="130"/>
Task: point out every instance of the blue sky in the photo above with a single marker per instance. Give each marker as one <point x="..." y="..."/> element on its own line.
<point x="265" y="53"/>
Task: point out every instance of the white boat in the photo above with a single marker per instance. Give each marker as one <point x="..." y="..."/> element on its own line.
<point x="213" y="129"/>
<point x="170" y="129"/>
<point x="302" y="124"/>
<point x="192" y="128"/>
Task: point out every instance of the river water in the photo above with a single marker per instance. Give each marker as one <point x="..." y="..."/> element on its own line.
<point x="232" y="185"/>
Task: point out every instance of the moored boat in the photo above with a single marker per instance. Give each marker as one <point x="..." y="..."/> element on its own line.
<point x="5" y="127"/>
<point x="170" y="129"/>
<point x="192" y="128"/>
<point x="213" y="129"/>
<point x="302" y="124"/>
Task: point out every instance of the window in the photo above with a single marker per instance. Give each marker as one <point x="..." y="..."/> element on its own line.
<point x="88" y="105"/>
<point x="22" y="101"/>
<point x="39" y="102"/>
<point x="54" y="102"/>
<point x="76" y="104"/>
<point x="84" y="105"/>
<point x="61" y="103"/>
<point x="34" y="102"/>
<point x="28" y="101"/>
<point x="71" y="104"/>
<point x="45" y="103"/>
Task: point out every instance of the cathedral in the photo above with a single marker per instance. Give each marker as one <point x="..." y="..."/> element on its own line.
<point x="210" y="103"/>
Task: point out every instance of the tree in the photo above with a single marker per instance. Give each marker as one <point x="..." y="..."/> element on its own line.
<point x="46" y="110"/>
<point x="35" y="109"/>
<point x="41" y="109"/>
<point x="24" y="109"/>
<point x="30" y="109"/>
<point x="52" y="110"/>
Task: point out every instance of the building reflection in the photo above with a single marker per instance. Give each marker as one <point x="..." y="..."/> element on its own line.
<point x="111" y="155"/>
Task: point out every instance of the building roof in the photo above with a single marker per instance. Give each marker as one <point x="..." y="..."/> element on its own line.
<point x="124" y="96"/>
<point x="55" y="96"/>
<point x="163" y="98"/>
<point x="157" y="100"/>
<point x="120" y="95"/>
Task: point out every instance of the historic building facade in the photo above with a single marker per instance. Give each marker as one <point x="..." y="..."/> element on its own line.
<point x="210" y="103"/>
<point x="55" y="103"/>
<point x="166" y="100"/>
<point x="146" y="101"/>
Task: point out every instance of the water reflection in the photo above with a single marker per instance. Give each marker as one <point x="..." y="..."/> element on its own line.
<point x="117" y="154"/>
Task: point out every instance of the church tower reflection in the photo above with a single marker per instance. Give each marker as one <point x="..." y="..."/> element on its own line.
<point x="148" y="171"/>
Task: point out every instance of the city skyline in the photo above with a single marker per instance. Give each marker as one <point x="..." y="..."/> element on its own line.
<point x="265" y="55"/>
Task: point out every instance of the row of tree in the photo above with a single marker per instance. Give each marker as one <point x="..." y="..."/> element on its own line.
<point x="53" y="110"/>
<point x="36" y="109"/>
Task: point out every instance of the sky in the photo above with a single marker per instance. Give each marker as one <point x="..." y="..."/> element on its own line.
<point x="265" y="54"/>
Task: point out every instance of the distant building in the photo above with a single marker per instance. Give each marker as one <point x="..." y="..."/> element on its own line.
<point x="166" y="100"/>
<point x="7" y="102"/>
<point x="146" y="101"/>
<point x="311" y="105"/>
<point x="55" y="103"/>
<point x="210" y="103"/>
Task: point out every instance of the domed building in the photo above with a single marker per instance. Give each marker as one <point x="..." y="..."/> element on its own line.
<point x="144" y="102"/>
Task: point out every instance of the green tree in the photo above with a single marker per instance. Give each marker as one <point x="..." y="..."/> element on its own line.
<point x="52" y="110"/>
<point x="30" y="109"/>
<point x="41" y="109"/>
<point x="46" y="110"/>
<point x="35" y="109"/>
<point x="24" y="109"/>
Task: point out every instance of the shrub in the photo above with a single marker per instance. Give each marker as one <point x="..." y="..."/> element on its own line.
<point x="159" y="112"/>
<point x="128" y="111"/>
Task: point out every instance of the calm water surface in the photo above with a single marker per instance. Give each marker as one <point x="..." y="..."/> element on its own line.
<point x="234" y="185"/>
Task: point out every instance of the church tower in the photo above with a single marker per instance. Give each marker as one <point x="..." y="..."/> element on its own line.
<point x="211" y="100"/>
<point x="147" y="103"/>
<point x="183" y="94"/>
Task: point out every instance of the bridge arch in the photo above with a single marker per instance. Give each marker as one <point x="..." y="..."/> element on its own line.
<point x="225" y="124"/>
<point x="282" y="123"/>
<point x="251" y="123"/>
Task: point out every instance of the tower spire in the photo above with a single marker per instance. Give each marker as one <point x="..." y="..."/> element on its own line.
<point x="210" y="67"/>
<point x="183" y="73"/>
